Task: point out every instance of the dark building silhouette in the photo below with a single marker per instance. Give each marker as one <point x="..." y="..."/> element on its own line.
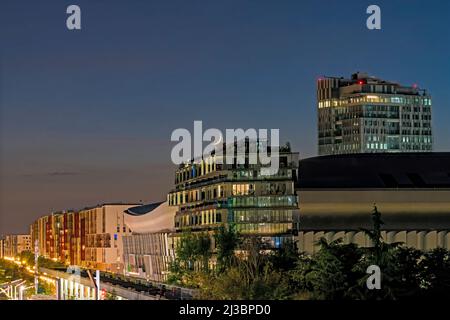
<point x="411" y="190"/>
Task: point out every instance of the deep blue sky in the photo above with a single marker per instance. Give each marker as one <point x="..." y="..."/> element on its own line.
<point x="86" y="116"/>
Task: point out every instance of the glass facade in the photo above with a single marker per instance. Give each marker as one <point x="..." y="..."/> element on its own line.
<point x="209" y="194"/>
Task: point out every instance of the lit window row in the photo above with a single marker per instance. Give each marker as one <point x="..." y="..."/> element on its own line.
<point x="265" y="201"/>
<point x="415" y="139"/>
<point x="377" y="146"/>
<point x="204" y="217"/>
<point x="194" y="170"/>
<point x="264" y="228"/>
<point x="207" y="193"/>
<point x="374" y="99"/>
<point x="261" y="216"/>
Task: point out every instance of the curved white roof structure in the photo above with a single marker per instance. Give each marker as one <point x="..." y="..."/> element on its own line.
<point x="150" y="218"/>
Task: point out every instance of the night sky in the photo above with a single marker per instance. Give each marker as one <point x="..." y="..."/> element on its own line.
<point x="86" y="116"/>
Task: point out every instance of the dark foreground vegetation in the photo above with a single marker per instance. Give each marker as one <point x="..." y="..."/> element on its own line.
<point x="242" y="269"/>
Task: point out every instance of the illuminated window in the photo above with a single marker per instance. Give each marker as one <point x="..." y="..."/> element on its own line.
<point x="243" y="189"/>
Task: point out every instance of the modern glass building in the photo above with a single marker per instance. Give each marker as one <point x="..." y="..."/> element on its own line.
<point x="211" y="192"/>
<point x="365" y="114"/>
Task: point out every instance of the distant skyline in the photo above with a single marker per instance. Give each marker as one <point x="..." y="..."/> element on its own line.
<point x="86" y="116"/>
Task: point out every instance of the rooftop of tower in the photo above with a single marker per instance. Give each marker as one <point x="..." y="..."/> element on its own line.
<point x="365" y="83"/>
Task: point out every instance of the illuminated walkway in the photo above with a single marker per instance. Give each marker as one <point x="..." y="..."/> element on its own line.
<point x="77" y="287"/>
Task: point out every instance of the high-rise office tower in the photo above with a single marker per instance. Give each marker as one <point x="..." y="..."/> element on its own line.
<point x="365" y="114"/>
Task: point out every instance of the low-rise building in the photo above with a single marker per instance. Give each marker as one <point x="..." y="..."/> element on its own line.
<point x="57" y="236"/>
<point x="91" y="237"/>
<point x="15" y="244"/>
<point x="150" y="249"/>
<point x="410" y="190"/>
<point x="101" y="230"/>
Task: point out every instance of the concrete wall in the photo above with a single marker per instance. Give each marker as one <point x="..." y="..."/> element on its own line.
<point x="419" y="218"/>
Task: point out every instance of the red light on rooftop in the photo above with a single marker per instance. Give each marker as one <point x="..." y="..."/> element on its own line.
<point x="360" y="82"/>
<point x="415" y="85"/>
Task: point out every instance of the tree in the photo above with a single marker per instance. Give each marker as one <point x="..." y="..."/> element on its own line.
<point x="111" y="296"/>
<point x="193" y="253"/>
<point x="186" y="250"/>
<point x="331" y="274"/>
<point x="435" y="273"/>
<point x="250" y="275"/>
<point x="380" y="251"/>
<point x="337" y="271"/>
<point x="203" y="250"/>
<point x="227" y="239"/>
<point x="404" y="273"/>
<point x="285" y="257"/>
<point x="27" y="257"/>
<point x="382" y="255"/>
